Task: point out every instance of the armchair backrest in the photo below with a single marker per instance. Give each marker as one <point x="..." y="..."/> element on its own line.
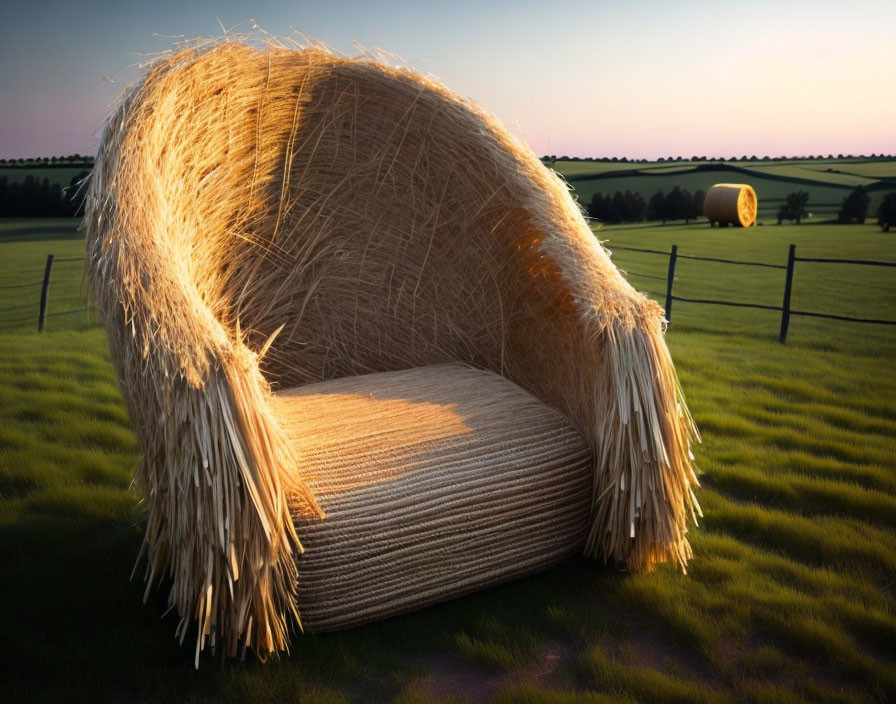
<point x="408" y="230"/>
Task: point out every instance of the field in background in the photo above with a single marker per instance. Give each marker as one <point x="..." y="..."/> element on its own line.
<point x="26" y="244"/>
<point x="62" y="175"/>
<point x="790" y="597"/>
<point x="828" y="181"/>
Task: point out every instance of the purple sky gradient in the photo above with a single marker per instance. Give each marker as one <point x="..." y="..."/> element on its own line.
<point x="637" y="79"/>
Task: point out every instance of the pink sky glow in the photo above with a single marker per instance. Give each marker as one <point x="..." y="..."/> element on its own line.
<point x="642" y="79"/>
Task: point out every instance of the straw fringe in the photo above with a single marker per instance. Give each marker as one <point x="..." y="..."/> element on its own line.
<point x="219" y="479"/>
<point x="643" y="472"/>
<point x="219" y="523"/>
<point x="342" y="217"/>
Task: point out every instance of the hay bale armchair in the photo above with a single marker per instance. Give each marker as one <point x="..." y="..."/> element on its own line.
<point x="373" y="353"/>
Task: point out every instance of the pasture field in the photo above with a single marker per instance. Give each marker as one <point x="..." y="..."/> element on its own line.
<point x="824" y="199"/>
<point x="62" y="175"/>
<point x="790" y="596"/>
<point x="873" y="169"/>
<point x="827" y="181"/>
<point x="820" y="174"/>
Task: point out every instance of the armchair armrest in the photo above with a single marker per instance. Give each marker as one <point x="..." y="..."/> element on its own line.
<point x="585" y="341"/>
<point x="217" y="476"/>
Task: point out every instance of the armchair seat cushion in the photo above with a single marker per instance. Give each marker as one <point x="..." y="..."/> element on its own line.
<point x="436" y="482"/>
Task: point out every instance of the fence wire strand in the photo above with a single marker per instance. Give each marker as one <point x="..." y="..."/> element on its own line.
<point x="821" y="260"/>
<point x="30" y="283"/>
<point x="865" y="262"/>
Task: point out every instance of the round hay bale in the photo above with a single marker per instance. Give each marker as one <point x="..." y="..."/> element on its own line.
<point x="733" y="203"/>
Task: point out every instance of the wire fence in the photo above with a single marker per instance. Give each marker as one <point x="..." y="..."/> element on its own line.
<point x="785" y="308"/>
<point x="40" y="306"/>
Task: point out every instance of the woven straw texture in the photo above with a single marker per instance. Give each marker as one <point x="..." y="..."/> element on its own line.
<point x="436" y="481"/>
<point x="262" y="217"/>
<point x="731" y="203"/>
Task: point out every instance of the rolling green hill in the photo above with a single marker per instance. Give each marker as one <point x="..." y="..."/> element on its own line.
<point x="62" y="175"/>
<point x="827" y="181"/>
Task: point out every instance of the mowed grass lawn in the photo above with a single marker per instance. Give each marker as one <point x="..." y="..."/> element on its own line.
<point x="790" y="596"/>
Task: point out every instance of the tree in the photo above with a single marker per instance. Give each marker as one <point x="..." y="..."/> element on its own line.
<point x="855" y="206"/>
<point x="656" y="207"/>
<point x="677" y="206"/>
<point x="794" y="208"/>
<point x="699" y="197"/>
<point x="597" y="208"/>
<point x="689" y="212"/>
<point x="44" y="201"/>
<point x="619" y="208"/>
<point x="73" y="195"/>
<point x="636" y="206"/>
<point x="886" y="213"/>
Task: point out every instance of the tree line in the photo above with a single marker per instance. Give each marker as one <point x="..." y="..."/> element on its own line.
<point x="677" y="204"/>
<point x="47" y="161"/>
<point x="680" y="204"/>
<point x="33" y="197"/>
<point x="854" y="208"/>
<point x="551" y="158"/>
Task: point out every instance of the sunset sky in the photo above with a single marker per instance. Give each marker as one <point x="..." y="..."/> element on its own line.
<point x="636" y="79"/>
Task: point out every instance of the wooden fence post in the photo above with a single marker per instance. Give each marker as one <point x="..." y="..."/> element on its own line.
<point x="44" y="292"/>
<point x="673" y="256"/>
<point x="785" y="309"/>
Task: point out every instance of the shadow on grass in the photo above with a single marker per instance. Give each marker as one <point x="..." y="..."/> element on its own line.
<point x="38" y="233"/>
<point x="82" y="632"/>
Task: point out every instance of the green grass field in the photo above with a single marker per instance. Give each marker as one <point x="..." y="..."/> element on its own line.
<point x="62" y="175"/>
<point x="827" y="181"/>
<point x="824" y="199"/>
<point x="873" y="169"/>
<point x="815" y="173"/>
<point x="790" y="596"/>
